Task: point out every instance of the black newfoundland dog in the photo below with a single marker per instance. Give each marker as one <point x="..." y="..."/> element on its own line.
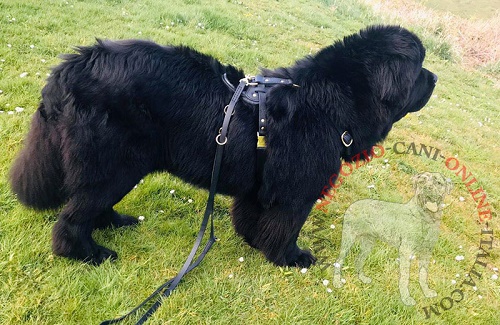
<point x="117" y="111"/>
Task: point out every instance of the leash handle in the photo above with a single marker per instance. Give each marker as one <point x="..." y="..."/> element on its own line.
<point x="166" y="289"/>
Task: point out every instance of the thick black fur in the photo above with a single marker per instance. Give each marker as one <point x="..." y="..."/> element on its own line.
<point x="117" y="111"/>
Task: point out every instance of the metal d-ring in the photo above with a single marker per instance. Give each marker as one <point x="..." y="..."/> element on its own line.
<point x="344" y="142"/>
<point x="225" y="110"/>
<point x="217" y="139"/>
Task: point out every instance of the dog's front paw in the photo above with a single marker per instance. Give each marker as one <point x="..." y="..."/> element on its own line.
<point x="409" y="301"/>
<point x="429" y="293"/>
<point x="297" y="258"/>
<point x="302" y="258"/>
<point x="364" y="278"/>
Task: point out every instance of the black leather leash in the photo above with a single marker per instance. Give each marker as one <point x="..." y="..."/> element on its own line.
<point x="166" y="289"/>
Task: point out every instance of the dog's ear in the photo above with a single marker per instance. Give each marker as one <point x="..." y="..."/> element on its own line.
<point x="394" y="78"/>
<point x="397" y="66"/>
<point x="417" y="179"/>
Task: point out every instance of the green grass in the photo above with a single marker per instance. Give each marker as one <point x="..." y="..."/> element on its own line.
<point x="463" y="119"/>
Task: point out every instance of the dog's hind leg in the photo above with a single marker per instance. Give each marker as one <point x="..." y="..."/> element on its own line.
<point x="245" y="214"/>
<point x="276" y="236"/>
<point x="366" y="245"/>
<point x="72" y="233"/>
<point x="423" y="264"/>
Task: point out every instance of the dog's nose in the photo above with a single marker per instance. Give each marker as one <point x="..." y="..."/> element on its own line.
<point x="434" y="77"/>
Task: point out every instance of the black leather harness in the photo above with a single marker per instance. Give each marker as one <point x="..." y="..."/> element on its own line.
<point x="255" y="93"/>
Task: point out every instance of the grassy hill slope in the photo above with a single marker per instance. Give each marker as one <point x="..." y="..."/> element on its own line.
<point x="462" y="120"/>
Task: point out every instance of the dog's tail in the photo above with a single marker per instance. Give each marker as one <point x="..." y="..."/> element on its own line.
<point x="36" y="176"/>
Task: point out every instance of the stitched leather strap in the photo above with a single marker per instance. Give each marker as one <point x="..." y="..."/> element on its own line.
<point x="166" y="289"/>
<point x="262" y="114"/>
<point x="271" y="81"/>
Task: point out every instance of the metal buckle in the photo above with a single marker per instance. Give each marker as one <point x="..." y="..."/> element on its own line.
<point x="248" y="81"/>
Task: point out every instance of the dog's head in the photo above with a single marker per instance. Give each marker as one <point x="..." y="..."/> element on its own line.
<point x="396" y="76"/>
<point x="430" y="190"/>
<point x="382" y="66"/>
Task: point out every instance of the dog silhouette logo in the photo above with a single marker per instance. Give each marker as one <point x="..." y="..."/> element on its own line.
<point x="412" y="227"/>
